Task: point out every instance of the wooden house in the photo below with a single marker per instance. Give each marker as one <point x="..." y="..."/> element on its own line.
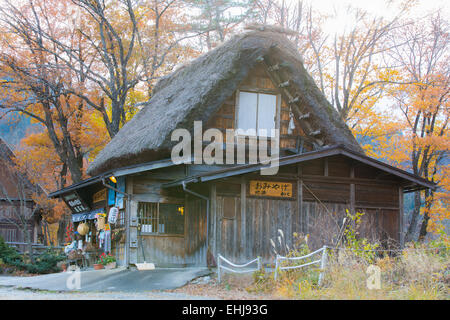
<point x="186" y="214"/>
<point x="18" y="211"/>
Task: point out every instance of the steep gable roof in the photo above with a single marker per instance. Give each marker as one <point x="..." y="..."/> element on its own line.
<point x="197" y="90"/>
<point x="9" y="174"/>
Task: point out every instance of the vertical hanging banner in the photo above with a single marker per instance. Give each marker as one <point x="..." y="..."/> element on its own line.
<point x="119" y="196"/>
<point x="111" y="194"/>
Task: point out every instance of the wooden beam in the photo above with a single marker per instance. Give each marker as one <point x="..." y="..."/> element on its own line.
<point x="300" y="199"/>
<point x="294" y="100"/>
<point x="274" y="67"/>
<point x="284" y="84"/>
<point x="352" y="191"/>
<point x="276" y="79"/>
<point x="348" y="180"/>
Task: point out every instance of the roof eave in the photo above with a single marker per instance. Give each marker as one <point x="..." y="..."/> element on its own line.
<point x="418" y="182"/>
<point x="119" y="172"/>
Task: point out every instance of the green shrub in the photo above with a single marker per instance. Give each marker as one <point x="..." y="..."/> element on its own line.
<point x="9" y="256"/>
<point x="46" y="262"/>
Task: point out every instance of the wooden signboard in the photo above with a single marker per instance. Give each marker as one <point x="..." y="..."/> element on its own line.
<point x="75" y="203"/>
<point x="275" y="189"/>
<point x="99" y="196"/>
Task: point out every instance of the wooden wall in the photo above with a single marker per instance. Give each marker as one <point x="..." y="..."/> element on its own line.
<point x="195" y="232"/>
<point x="164" y="250"/>
<point x="243" y="227"/>
<point x="248" y="234"/>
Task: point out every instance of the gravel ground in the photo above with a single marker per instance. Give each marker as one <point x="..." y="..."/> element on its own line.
<point x="202" y="288"/>
<point x="11" y="293"/>
<point x="232" y="288"/>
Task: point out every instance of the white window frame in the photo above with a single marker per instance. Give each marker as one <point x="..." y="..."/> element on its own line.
<point x="277" y="110"/>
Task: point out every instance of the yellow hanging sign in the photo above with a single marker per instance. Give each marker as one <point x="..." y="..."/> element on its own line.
<point x="99" y="196"/>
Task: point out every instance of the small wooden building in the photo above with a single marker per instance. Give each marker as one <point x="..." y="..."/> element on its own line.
<point x="188" y="213"/>
<point x="17" y="208"/>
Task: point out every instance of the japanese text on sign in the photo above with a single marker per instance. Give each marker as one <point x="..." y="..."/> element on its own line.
<point x="271" y="189"/>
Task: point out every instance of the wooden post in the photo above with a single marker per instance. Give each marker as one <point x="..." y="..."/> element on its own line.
<point x="400" y="217"/>
<point x="219" y="278"/>
<point x="276" y="268"/>
<point x="300" y="199"/>
<point x="129" y="188"/>
<point x="352" y="191"/>
<point x="243" y="216"/>
<point x="213" y="220"/>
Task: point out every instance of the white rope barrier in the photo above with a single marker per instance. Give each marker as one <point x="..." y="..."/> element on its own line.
<point x="322" y="262"/>
<point x="220" y="267"/>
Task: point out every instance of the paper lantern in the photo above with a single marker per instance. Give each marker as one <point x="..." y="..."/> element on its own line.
<point x="83" y="229"/>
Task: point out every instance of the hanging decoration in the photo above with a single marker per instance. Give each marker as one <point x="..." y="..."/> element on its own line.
<point x="83" y="228"/>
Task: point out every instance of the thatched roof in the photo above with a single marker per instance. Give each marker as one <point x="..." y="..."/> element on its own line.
<point x="9" y="173"/>
<point x="197" y="90"/>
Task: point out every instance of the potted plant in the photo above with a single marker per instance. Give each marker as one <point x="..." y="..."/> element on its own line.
<point x="108" y="260"/>
<point x="99" y="264"/>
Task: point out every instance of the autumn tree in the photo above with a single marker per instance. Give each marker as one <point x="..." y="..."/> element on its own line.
<point x="423" y="105"/>
<point x="347" y="64"/>
<point x="365" y="65"/>
<point x="34" y="83"/>
<point x="163" y="38"/>
<point x="218" y="18"/>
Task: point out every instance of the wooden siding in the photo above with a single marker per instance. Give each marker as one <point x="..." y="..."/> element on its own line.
<point x="244" y="226"/>
<point x="163" y="250"/>
<point x="195" y="232"/>
<point x="243" y="236"/>
<point x="180" y="250"/>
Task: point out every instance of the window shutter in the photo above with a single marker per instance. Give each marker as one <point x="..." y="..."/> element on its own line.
<point x="267" y="108"/>
<point x="247" y="110"/>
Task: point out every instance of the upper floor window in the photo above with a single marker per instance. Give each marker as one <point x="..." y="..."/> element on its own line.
<point x="257" y="111"/>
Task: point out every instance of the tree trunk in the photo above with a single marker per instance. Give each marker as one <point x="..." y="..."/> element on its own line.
<point x="409" y="236"/>
<point x="61" y="230"/>
<point x="426" y="217"/>
<point x="27" y="237"/>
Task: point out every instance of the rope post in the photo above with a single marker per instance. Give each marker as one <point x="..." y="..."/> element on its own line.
<point x="218" y="268"/>
<point x="259" y="263"/>
<point x="323" y="264"/>
<point x="276" y="268"/>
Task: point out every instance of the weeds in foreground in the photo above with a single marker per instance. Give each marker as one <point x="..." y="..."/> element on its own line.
<point x="420" y="271"/>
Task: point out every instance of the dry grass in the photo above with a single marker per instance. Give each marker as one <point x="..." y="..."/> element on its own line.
<point x="415" y="274"/>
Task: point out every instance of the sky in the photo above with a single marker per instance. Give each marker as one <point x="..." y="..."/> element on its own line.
<point x="377" y="7"/>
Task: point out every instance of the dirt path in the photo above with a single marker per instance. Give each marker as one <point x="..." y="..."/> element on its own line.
<point x="11" y="293"/>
